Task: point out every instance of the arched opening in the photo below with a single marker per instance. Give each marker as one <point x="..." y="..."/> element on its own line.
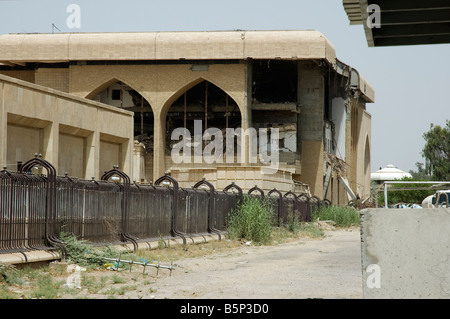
<point x="205" y="102"/>
<point x="119" y="94"/>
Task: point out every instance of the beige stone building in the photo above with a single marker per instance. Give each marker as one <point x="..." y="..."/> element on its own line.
<point x="79" y="137"/>
<point x="288" y="80"/>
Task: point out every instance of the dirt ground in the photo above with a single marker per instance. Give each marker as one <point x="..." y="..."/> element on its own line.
<point x="315" y="268"/>
<point x="329" y="267"/>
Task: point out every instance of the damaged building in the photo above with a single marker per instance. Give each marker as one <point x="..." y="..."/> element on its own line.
<point x="288" y="80"/>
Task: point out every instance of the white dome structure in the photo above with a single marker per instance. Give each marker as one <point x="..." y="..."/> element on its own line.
<point x="389" y="173"/>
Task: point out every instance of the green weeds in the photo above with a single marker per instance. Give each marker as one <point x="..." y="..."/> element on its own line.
<point x="252" y="220"/>
<point x="341" y="216"/>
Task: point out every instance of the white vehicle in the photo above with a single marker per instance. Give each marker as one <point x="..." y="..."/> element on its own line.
<point x="403" y="205"/>
<point x="442" y="198"/>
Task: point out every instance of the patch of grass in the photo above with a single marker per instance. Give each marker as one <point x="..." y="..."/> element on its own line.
<point x="310" y="230"/>
<point x="293" y="225"/>
<point x="6" y="293"/>
<point x="11" y="275"/>
<point x="252" y="220"/>
<point x="342" y="216"/>
<point x="117" y="279"/>
<point x="92" y="284"/>
<point x="46" y="287"/>
<point x="295" y="230"/>
<point x="120" y="290"/>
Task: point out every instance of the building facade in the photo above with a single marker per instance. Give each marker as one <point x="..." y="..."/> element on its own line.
<point x="249" y="80"/>
<point x="74" y="134"/>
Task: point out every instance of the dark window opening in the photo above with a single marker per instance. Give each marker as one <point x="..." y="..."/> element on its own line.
<point x="143" y="120"/>
<point x="274" y="81"/>
<point x="115" y="95"/>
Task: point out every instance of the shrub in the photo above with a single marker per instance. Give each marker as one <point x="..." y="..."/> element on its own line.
<point x="82" y="253"/>
<point x="342" y="216"/>
<point x="252" y="220"/>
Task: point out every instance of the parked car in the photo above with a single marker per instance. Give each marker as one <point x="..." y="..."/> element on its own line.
<point x="439" y="199"/>
<point x="404" y="205"/>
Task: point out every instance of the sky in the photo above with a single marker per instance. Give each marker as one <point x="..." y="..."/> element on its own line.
<point x="411" y="83"/>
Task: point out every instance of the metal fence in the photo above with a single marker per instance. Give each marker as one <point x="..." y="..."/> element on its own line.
<point x="35" y="209"/>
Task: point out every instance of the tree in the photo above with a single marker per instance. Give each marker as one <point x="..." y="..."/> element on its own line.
<point x="437" y="151"/>
<point x="410" y="193"/>
<point x="421" y="174"/>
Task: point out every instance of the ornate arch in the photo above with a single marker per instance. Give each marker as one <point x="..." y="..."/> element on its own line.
<point x="189" y="85"/>
<point x="112" y="81"/>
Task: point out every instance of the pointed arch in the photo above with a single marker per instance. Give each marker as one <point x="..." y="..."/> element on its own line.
<point x="201" y="100"/>
<point x="102" y="87"/>
<point x="118" y="93"/>
<point x="110" y="82"/>
<point x="189" y="85"/>
<point x="163" y="126"/>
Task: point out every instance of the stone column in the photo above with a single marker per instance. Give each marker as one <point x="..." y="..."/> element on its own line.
<point x="51" y="135"/>
<point x="246" y="116"/>
<point x="138" y="162"/>
<point x="311" y="97"/>
<point x="93" y="155"/>
<point x="159" y="144"/>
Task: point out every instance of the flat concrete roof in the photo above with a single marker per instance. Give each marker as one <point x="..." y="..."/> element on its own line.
<point x="62" y="95"/>
<point x="22" y="48"/>
<point x="197" y="45"/>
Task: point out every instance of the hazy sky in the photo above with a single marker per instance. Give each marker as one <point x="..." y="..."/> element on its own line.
<point x="411" y="82"/>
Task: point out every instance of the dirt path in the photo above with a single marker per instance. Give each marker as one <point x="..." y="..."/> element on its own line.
<point x="325" y="268"/>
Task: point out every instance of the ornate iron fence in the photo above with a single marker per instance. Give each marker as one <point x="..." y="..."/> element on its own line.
<point x="36" y="208"/>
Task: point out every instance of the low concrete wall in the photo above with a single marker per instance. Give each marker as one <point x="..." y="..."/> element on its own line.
<point x="48" y="256"/>
<point x="405" y="253"/>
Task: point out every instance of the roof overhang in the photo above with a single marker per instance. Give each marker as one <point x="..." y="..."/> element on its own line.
<point x="402" y="22"/>
<point x="199" y="45"/>
<point x="43" y="48"/>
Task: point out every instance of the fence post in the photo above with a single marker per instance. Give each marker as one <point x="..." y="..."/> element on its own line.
<point x="279" y="203"/>
<point x="308" y="206"/>
<point x="50" y="201"/>
<point x="236" y="187"/>
<point x="174" y="183"/>
<point x="256" y="188"/>
<point x="296" y="206"/>
<point x="126" y="187"/>
<point x="316" y="199"/>
<point x="211" y="209"/>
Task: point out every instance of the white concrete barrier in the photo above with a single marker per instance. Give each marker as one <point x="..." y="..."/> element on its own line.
<point x="405" y="253"/>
